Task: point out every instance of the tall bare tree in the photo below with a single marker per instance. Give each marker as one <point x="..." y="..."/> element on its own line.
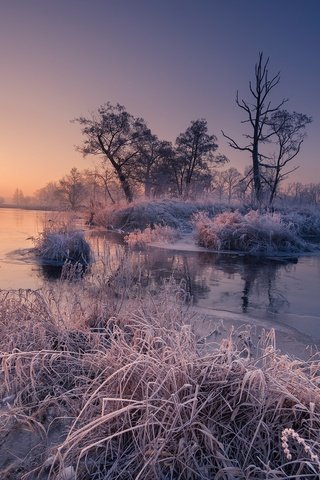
<point x="18" y="197"/>
<point x="258" y="110"/>
<point x="49" y="195"/>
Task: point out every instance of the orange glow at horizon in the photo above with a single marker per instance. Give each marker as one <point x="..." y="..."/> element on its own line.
<point x="38" y="162"/>
<point x="59" y="61"/>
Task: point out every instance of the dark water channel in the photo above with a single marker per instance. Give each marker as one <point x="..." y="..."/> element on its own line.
<point x="275" y="293"/>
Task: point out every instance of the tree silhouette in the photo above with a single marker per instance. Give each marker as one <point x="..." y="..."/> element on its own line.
<point x="194" y="154"/>
<point x="289" y="130"/>
<point x="116" y="135"/>
<point x="258" y="111"/>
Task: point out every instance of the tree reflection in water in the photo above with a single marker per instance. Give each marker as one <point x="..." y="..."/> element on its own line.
<point x="230" y="281"/>
<point x="259" y="277"/>
<point x="204" y="275"/>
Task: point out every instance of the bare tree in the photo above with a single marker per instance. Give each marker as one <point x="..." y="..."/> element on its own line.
<point x="258" y="110"/>
<point x="218" y="184"/>
<point x="289" y="130"/>
<point x="313" y="193"/>
<point x="195" y="152"/>
<point x="231" y="179"/>
<point x="304" y="193"/>
<point x="102" y="177"/>
<point x="115" y="134"/>
<point x="72" y="189"/>
<point x="18" y="197"/>
<point x="49" y="195"/>
<point x="153" y="157"/>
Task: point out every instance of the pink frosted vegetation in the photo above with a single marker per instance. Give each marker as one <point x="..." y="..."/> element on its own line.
<point x="217" y="226"/>
<point x="140" y="238"/>
<point x="253" y="232"/>
<point x="61" y="242"/>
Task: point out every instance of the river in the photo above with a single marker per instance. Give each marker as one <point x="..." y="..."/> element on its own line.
<point x="272" y="293"/>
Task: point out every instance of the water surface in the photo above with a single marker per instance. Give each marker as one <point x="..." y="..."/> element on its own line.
<point x="278" y="293"/>
<point x="17" y="228"/>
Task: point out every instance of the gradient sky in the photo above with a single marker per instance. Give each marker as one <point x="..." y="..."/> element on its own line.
<point x="169" y="61"/>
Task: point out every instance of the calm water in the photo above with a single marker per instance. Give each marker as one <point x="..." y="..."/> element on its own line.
<point x="17" y="227"/>
<point x="284" y="295"/>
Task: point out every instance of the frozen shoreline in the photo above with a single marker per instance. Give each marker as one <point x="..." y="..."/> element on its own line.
<point x="187" y="243"/>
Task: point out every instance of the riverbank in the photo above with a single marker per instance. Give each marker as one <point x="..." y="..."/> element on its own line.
<point x="27" y="207"/>
<point x="282" y="232"/>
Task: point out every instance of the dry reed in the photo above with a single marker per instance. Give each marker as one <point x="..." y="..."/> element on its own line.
<point x="60" y="242"/>
<point x="159" y="233"/>
<point x="254" y="232"/>
<point x="124" y="393"/>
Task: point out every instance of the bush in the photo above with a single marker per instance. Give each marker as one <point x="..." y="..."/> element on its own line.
<point x="253" y="233"/>
<point x="60" y="243"/>
<point x="139" y="239"/>
<point x="305" y="221"/>
<point x="140" y="215"/>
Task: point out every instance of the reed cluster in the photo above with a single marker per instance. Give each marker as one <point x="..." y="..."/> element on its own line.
<point x="253" y="232"/>
<point x="159" y="233"/>
<point x="60" y="242"/>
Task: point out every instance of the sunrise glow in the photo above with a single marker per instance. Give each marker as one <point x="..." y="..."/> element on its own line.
<point x="169" y="63"/>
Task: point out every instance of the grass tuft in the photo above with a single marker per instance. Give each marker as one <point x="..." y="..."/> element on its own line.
<point x="59" y="242"/>
<point x="159" y="233"/>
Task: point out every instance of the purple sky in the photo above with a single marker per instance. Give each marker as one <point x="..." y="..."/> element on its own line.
<point x="169" y="61"/>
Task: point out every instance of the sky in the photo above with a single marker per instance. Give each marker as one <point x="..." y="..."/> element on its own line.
<point x="168" y="61"/>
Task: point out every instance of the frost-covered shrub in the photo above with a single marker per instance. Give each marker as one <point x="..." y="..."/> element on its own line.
<point x="253" y="232"/>
<point x="306" y="222"/>
<point x="140" y="215"/>
<point x="160" y="233"/>
<point x="63" y="246"/>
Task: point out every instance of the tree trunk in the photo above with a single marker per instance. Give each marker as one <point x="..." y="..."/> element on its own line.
<point x="147" y="189"/>
<point x="188" y="188"/>
<point x="125" y="185"/>
<point x="147" y="184"/>
<point x="274" y="188"/>
<point x="256" y="175"/>
<point x="107" y="191"/>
